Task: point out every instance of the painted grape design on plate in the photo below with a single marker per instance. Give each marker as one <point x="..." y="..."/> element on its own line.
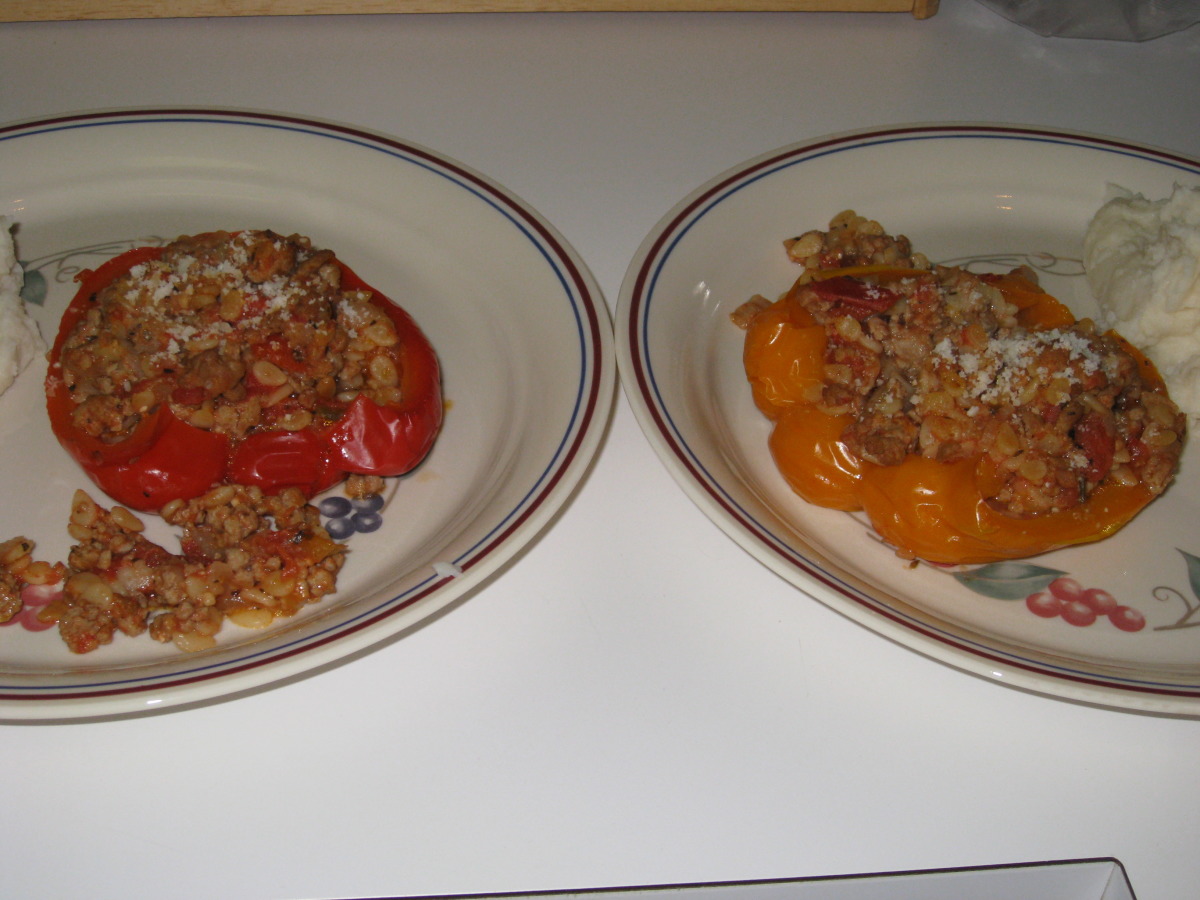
<point x="1055" y="594"/>
<point x="345" y="516"/>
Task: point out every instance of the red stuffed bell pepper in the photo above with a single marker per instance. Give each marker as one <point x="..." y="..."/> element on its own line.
<point x="245" y="358"/>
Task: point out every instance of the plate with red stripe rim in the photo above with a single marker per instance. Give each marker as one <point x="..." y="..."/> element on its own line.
<point x="988" y="196"/>
<point x="521" y="330"/>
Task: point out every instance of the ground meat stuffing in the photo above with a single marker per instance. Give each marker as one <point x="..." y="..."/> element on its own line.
<point x="236" y="332"/>
<point x="931" y="360"/>
<point x="12" y="552"/>
<point x="18" y="570"/>
<point x="245" y="556"/>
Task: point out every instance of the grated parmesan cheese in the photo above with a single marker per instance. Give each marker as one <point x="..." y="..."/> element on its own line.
<point x="999" y="372"/>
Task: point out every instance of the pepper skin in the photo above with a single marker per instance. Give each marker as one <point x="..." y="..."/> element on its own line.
<point x="165" y="458"/>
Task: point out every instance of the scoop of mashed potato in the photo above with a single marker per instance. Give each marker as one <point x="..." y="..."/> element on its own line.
<point x="1142" y="259"/>
<point x="20" y="340"/>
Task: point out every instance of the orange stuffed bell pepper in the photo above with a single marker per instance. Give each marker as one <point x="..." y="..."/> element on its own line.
<point x="270" y="365"/>
<point x="972" y="419"/>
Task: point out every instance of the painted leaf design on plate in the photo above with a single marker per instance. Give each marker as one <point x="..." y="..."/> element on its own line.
<point x="1007" y="580"/>
<point x="1193" y="570"/>
<point x="1191" y="605"/>
<point x="33" y="291"/>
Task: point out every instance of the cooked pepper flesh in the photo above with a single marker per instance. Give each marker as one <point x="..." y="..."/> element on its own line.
<point x="162" y="458"/>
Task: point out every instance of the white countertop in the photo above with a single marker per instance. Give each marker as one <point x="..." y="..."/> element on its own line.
<point x="635" y="700"/>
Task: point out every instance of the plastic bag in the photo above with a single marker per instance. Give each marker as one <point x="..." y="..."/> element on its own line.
<point x="1114" y="20"/>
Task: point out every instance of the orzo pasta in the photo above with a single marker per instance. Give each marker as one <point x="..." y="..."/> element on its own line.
<point x="245" y="556"/>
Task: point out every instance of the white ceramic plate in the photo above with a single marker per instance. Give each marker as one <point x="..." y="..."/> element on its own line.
<point x="990" y="195"/>
<point x="521" y="330"/>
